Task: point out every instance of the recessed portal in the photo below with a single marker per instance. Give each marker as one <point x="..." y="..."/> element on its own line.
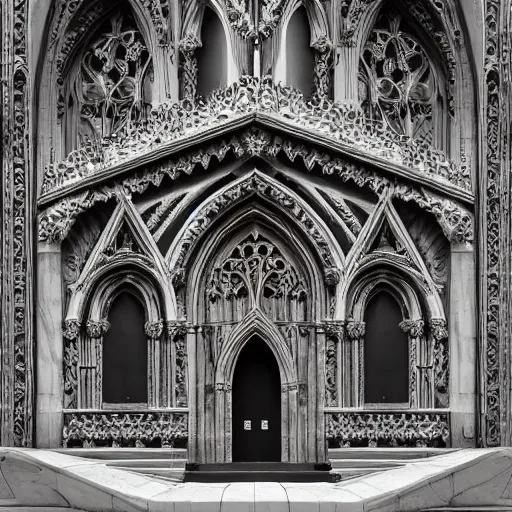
<point x="256" y="405"/>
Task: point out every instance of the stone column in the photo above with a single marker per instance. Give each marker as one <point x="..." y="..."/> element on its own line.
<point x="50" y="347"/>
<point x="355" y="333"/>
<point x="154" y="332"/>
<point x="346" y="70"/>
<point x="414" y="328"/>
<point x="91" y="364"/>
<point x="462" y="346"/>
<point x="334" y="360"/>
<point x="188" y="66"/>
<point x="191" y="344"/>
<point x="322" y="69"/>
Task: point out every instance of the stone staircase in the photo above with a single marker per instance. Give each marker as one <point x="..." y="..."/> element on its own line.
<point x="169" y="463"/>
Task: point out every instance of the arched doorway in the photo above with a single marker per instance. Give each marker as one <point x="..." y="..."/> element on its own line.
<point x="256" y="399"/>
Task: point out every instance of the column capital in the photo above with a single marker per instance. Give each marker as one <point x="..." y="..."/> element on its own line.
<point x="71" y="328"/>
<point x="355" y="330"/>
<point x="96" y="329"/>
<point x="438" y="328"/>
<point x="154" y="330"/>
<point x="414" y="328"/>
<point x="176" y="329"/>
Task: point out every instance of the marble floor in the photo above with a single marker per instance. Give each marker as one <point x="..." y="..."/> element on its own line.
<point x="32" y="479"/>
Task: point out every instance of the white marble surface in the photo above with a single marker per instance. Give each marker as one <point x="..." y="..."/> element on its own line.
<point x="462" y="478"/>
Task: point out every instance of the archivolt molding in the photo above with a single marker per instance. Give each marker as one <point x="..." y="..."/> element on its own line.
<point x="56" y="221"/>
<point x="255" y="323"/>
<point x="259" y="184"/>
<point x="250" y="95"/>
<point x="137" y="252"/>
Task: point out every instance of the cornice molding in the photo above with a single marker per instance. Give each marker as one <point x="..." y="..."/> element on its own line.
<point x="455" y="220"/>
<point x="173" y="127"/>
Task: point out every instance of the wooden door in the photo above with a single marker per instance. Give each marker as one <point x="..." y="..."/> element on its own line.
<point x="256" y="396"/>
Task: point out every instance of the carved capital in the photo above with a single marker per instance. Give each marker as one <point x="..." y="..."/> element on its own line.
<point x="223" y="387"/>
<point x="71" y="328"/>
<point x="323" y="44"/>
<point x="414" y="328"/>
<point x="438" y="328"/>
<point x="355" y="330"/>
<point x="189" y="43"/>
<point x="97" y="329"/>
<point x="176" y="330"/>
<point x="335" y="330"/>
<point x="154" y="329"/>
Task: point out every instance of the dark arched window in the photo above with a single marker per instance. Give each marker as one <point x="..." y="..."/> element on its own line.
<point x="212" y="57"/>
<point x="125" y="360"/>
<point x="386" y="352"/>
<point x="300" y="59"/>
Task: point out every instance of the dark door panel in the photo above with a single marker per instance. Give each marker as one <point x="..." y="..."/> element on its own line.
<point x="256" y="398"/>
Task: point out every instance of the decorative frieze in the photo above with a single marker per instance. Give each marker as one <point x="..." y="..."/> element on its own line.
<point x="408" y="429"/>
<point x="344" y="123"/>
<point x="157" y="429"/>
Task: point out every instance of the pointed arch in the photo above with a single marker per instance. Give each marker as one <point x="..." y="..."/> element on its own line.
<point x="255" y="323"/>
<point x="258" y="184"/>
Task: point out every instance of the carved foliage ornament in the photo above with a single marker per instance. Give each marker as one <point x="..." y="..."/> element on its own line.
<point x="56" y="221"/>
<point x="345" y="123"/>
<point x="395" y="429"/>
<point x="256" y="269"/>
<point x="109" y="83"/>
<point x="116" y="430"/>
<point x="71" y="333"/>
<point x="398" y="84"/>
<point x="97" y="329"/>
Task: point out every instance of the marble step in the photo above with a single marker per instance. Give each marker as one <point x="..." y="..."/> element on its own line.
<point x="174" y="474"/>
<point x="387" y="453"/>
<point x="367" y="463"/>
<point x="259" y="466"/>
<point x="145" y="463"/>
<point x="125" y="453"/>
<point x="261" y="476"/>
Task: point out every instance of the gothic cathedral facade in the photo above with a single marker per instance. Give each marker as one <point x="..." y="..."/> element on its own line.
<point x="256" y="229"/>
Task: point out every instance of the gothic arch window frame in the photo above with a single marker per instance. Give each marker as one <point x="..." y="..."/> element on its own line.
<point x="440" y="118"/>
<point x="420" y="307"/>
<point x="268" y="226"/>
<point x="319" y="30"/>
<point x="101" y="298"/>
<point x="73" y="71"/>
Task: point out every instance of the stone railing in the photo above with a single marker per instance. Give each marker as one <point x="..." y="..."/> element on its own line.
<point x="155" y="429"/>
<point x="345" y="123"/>
<point x="419" y="429"/>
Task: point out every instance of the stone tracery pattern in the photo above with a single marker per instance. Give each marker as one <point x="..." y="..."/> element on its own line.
<point x="256" y="270"/>
<point x="109" y="83"/>
<point x="399" y="84"/>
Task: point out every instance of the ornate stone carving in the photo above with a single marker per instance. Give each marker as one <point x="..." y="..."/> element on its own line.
<point x="57" y="220"/>
<point x="335" y="332"/>
<point x="16" y="249"/>
<point x="125" y="429"/>
<point x="109" y="86"/>
<point x="406" y="103"/>
<point x="256" y="269"/>
<point x="154" y="329"/>
<point x="387" y="429"/>
<point x="71" y="333"/>
<point x="255" y="184"/>
<point x="414" y="328"/>
<point x="177" y="334"/>
<point x="97" y="329"/>
<point x="188" y="66"/>
<point x="355" y="330"/>
<point x="240" y="17"/>
<point x="345" y="123"/>
<point x="439" y="332"/>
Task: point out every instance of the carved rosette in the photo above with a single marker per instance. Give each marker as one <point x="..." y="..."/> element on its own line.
<point x="414" y="328"/>
<point x="188" y="67"/>
<point x="335" y="332"/>
<point x="355" y="333"/>
<point x="439" y="332"/>
<point x="177" y="334"/>
<point x="98" y="329"/>
<point x="322" y="69"/>
<point x="154" y="330"/>
<point x="71" y="333"/>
